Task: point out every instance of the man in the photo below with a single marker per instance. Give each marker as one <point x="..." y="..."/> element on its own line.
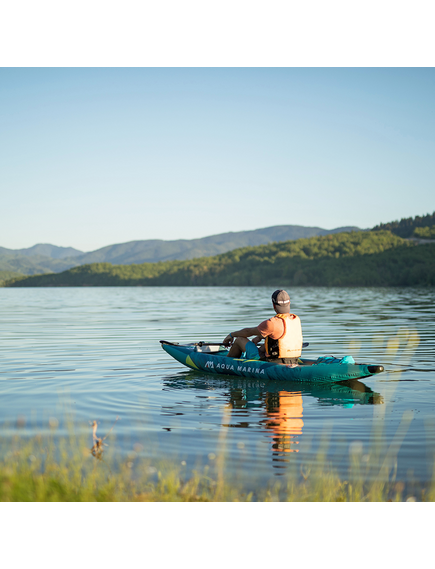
<point x="282" y="333"/>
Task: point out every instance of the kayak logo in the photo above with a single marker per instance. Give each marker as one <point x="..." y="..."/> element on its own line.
<point x="230" y="367"/>
<point x="225" y="366"/>
<point x="250" y="370"/>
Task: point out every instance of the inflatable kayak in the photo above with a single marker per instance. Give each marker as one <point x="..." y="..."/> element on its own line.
<point x="213" y="359"/>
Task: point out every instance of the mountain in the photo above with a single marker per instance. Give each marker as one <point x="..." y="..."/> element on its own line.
<point x="44" y="250"/>
<point x="152" y="251"/>
<point x="364" y="258"/>
<point x="34" y="265"/>
<point x="49" y="258"/>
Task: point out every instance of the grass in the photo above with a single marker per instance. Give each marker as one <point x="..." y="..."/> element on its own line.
<point x="67" y="470"/>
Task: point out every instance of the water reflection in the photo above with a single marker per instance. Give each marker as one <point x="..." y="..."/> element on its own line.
<point x="284" y="411"/>
<point x="274" y="408"/>
<point x="244" y="393"/>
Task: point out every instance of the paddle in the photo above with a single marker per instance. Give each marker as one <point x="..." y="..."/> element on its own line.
<point x="200" y="344"/>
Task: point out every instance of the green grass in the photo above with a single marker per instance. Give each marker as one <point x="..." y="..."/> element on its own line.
<point x="65" y="470"/>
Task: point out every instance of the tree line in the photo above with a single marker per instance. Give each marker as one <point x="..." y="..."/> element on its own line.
<point x="407" y="227"/>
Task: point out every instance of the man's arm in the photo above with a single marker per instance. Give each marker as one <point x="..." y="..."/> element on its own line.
<point x="244" y="333"/>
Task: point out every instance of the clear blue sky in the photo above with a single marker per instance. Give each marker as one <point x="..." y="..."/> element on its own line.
<point x="92" y="157"/>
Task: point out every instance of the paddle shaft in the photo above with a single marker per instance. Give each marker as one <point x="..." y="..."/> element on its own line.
<point x="304" y="345"/>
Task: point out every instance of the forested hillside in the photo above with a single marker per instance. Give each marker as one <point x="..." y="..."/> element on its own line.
<point x="32" y="265"/>
<point x="407" y="227"/>
<point x="8" y="275"/>
<point x="344" y="259"/>
<point x="425" y="232"/>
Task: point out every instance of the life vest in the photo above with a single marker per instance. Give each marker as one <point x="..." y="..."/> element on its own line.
<point x="289" y="345"/>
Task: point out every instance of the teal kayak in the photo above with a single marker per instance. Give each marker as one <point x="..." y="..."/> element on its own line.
<point x="213" y="359"/>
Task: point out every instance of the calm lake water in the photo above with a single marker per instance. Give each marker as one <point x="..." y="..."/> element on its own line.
<point x="95" y="352"/>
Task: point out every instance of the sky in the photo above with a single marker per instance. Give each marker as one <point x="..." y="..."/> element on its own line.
<point x="90" y="157"/>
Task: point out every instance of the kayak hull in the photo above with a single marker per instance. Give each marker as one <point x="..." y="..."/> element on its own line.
<point x="307" y="371"/>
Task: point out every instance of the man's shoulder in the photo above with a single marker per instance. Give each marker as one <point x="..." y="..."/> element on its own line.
<point x="268" y="326"/>
<point x="267" y="322"/>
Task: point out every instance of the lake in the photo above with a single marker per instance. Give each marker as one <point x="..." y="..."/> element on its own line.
<point x="94" y="354"/>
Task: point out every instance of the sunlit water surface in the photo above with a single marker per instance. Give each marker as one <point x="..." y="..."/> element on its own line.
<point x="95" y="353"/>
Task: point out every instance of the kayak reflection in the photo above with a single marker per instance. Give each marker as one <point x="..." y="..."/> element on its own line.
<point x="281" y="404"/>
<point x="246" y="393"/>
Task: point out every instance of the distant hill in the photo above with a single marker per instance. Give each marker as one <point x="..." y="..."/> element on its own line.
<point x="152" y="251"/>
<point x="44" y="250"/>
<point x="33" y="265"/>
<point x="49" y="258"/>
<point x="41" y="258"/>
<point x="363" y="258"/>
<point x="290" y="255"/>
